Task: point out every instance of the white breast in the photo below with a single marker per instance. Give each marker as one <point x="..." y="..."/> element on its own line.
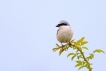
<point x="65" y="34"/>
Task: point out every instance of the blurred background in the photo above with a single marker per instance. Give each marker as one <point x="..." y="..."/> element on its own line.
<point x="28" y="33"/>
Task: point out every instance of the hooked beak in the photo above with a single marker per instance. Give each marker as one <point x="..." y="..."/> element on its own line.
<point x="57" y="25"/>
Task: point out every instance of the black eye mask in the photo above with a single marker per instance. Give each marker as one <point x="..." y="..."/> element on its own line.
<point x="62" y="24"/>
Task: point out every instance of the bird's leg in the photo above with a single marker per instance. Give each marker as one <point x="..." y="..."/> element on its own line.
<point x="62" y="44"/>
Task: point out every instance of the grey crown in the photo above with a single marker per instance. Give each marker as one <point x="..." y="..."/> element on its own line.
<point x="63" y="23"/>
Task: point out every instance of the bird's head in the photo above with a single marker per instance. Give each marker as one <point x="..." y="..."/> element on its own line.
<point x="62" y="23"/>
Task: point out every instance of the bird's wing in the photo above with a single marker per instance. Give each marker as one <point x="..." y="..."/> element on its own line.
<point x="57" y="31"/>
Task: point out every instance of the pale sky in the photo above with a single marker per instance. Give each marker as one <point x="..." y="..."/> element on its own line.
<point x="28" y="33"/>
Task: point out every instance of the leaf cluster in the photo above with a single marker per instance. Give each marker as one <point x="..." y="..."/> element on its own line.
<point x="79" y="45"/>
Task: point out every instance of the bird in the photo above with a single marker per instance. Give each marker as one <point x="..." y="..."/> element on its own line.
<point x="64" y="32"/>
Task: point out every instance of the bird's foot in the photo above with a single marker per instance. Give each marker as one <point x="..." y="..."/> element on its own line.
<point x="63" y="45"/>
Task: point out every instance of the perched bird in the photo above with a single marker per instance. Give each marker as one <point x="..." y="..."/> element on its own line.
<point x="64" y="33"/>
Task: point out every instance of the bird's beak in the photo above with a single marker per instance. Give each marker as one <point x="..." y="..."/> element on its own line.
<point x="57" y="25"/>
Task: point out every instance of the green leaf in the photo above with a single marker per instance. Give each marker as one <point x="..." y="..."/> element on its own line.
<point x="91" y="56"/>
<point x="70" y="54"/>
<point x="82" y="39"/>
<point x="57" y="45"/>
<point x="80" y="56"/>
<point x="98" y="51"/>
<point x="84" y="62"/>
<point x="77" y="65"/>
<point x="74" y="43"/>
<point x="61" y="50"/>
<point x="87" y="65"/>
<point x="78" y="42"/>
<point x="81" y="67"/>
<point x="84" y="42"/>
<point x="84" y="47"/>
<point x="55" y="49"/>
<point x="78" y="61"/>
<point x="73" y="56"/>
